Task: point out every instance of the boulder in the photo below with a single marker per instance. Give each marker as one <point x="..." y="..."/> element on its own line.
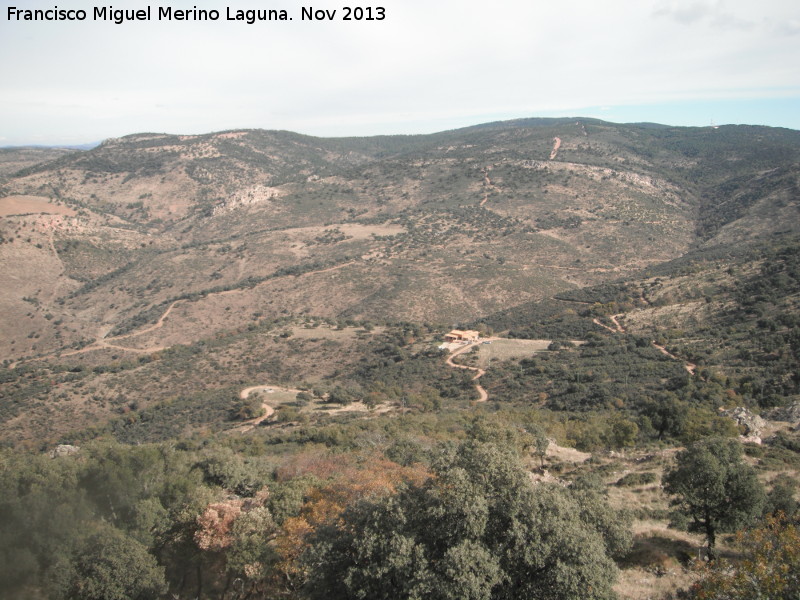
<point x="749" y="421"/>
<point x="63" y="450"/>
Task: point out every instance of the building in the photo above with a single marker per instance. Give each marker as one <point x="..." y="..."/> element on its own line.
<point x="462" y="336"/>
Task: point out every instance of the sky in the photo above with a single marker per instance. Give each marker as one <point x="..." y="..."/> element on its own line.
<point x="428" y="65"/>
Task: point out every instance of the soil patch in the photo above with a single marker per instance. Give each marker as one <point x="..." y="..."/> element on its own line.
<point x="503" y="349"/>
<point x="25" y="205"/>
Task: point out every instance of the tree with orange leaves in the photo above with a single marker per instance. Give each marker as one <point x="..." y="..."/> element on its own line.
<point x="375" y="478"/>
<point x="478" y="530"/>
<point x="215" y="523"/>
<point x="770" y="569"/>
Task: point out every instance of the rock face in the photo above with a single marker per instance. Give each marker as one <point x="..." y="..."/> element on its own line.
<point x="789" y="413"/>
<point x="750" y="422"/>
<point x="63" y="450"/>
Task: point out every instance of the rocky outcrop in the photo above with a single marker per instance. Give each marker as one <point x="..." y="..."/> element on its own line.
<point x="750" y="422"/>
<point x="63" y="450"/>
<point x="789" y="413"/>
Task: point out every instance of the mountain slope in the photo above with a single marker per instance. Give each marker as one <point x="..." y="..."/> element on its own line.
<point x="443" y="228"/>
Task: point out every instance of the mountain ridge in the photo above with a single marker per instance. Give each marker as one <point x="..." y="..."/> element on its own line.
<point x="443" y="227"/>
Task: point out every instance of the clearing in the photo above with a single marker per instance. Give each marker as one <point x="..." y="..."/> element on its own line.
<point x="503" y="349"/>
<point x="25" y="205"/>
<point x="556" y="146"/>
<point x="277" y="395"/>
<point x="490" y="349"/>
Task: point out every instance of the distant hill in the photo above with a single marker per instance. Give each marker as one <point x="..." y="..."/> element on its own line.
<point x="16" y="158"/>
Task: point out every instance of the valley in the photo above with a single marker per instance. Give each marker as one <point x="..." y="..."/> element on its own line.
<point x="236" y="341"/>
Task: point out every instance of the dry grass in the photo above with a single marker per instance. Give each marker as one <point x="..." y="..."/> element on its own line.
<point x="659" y="562"/>
<point x="326" y="332"/>
<point x="565" y="454"/>
<point x="508" y="349"/>
<point x="643" y="584"/>
<point x="23" y="205"/>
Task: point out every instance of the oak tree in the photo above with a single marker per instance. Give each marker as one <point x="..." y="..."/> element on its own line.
<point x="715" y="488"/>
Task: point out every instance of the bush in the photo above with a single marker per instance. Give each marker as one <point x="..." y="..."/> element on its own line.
<point x="632" y="479"/>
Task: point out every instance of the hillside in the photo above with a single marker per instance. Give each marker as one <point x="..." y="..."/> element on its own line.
<point x="18" y="158"/>
<point x="442" y="228"/>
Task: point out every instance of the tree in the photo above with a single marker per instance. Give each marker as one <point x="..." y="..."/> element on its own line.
<point x="478" y="530"/>
<point x="668" y="415"/>
<point x="540" y="442"/>
<point x="770" y="567"/>
<point x="112" y="566"/>
<point x="622" y="433"/>
<point x="614" y="525"/>
<point x="250" y="555"/>
<point x="715" y="488"/>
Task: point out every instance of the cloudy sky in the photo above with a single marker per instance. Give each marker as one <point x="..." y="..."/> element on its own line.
<point x="429" y="65"/>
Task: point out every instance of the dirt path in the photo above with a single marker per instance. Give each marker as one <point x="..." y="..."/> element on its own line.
<point x="148" y="350"/>
<point x="604" y="326"/>
<point x="613" y="318"/>
<point x="329" y="269"/>
<point x="573" y="301"/>
<point x="242" y="265"/>
<point x="482" y="393"/>
<point x="268" y="410"/>
<point x="102" y="343"/>
<point x="556" y="146"/>
<point x="62" y="275"/>
<point x="620" y="328"/>
<point x="690" y="367"/>
<point x="158" y="325"/>
<point x="488" y="184"/>
<point x="160" y="322"/>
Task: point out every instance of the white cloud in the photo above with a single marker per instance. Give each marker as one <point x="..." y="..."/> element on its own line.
<point x="687" y="12"/>
<point x="426" y="63"/>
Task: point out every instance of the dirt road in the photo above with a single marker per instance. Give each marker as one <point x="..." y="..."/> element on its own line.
<point x="617" y="327"/>
<point x="482" y="393"/>
<point x="556" y="146"/>
<point x="488" y="185"/>
<point x="268" y="410"/>
<point x="690" y="367"/>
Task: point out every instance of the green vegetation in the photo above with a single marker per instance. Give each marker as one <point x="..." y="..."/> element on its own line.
<point x="110" y="521"/>
<point x="715" y="488"/>
<point x="477" y="530"/>
<point x="769" y="567"/>
<point x="642" y="284"/>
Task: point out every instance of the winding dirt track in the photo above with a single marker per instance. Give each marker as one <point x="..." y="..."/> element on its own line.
<point x="691" y="368"/>
<point x="268" y="410"/>
<point x="604" y="326"/>
<point x="483" y="395"/>
<point x="488" y="183"/>
<point x="158" y="324"/>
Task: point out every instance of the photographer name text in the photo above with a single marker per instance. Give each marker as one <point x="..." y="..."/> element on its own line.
<point x="119" y="16"/>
